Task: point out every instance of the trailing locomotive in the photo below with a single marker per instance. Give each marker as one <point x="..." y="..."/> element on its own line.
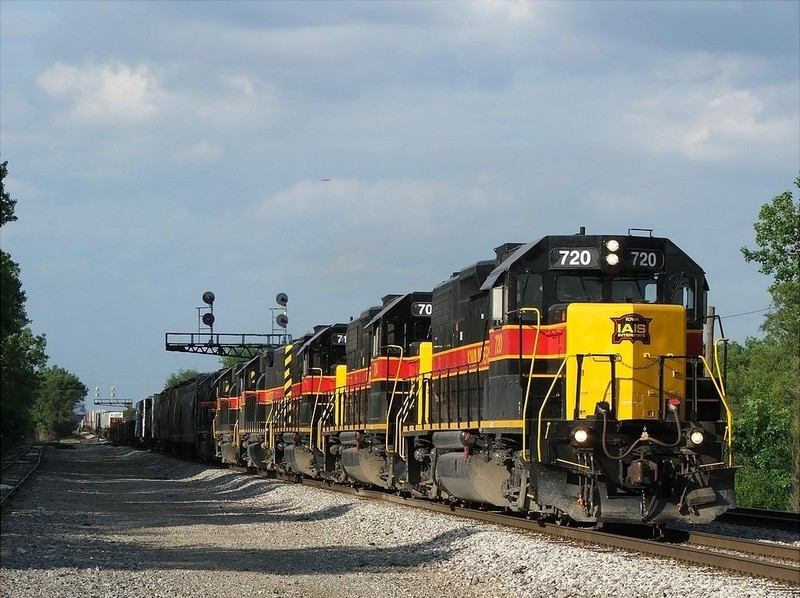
<point x="564" y="378"/>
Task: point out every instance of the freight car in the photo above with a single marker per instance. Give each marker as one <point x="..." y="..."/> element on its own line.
<point x="564" y="378"/>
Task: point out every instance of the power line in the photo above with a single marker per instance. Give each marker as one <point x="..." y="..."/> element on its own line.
<point x="745" y="313"/>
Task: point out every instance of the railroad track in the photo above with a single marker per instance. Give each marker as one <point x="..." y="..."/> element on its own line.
<point x="760" y="559"/>
<point x="784" y="520"/>
<point x="17" y="468"/>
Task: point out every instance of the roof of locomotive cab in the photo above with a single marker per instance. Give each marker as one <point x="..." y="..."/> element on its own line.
<point x="318" y="332"/>
<point x="391" y="305"/>
<point x="525" y="249"/>
<point x="506" y="264"/>
<point x="471" y="270"/>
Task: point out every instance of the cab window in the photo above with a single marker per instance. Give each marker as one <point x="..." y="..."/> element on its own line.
<point x="634" y="290"/>
<point x="579" y="288"/>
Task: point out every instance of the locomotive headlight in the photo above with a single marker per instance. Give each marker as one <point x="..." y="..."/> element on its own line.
<point x="612" y="245"/>
<point x="696" y="437"/>
<point x="612" y="259"/>
<point x="580" y="435"/>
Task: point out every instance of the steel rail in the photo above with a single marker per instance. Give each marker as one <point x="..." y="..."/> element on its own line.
<point x="13" y="479"/>
<point x="749" y="564"/>
<point x="10" y="461"/>
<point x="783" y="552"/>
<point x="788" y="520"/>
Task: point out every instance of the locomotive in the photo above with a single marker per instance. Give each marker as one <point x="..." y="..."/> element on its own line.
<point x="564" y="379"/>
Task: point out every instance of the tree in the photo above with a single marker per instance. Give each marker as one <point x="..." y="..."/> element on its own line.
<point x="6" y="203"/>
<point x="762" y="380"/>
<point x="778" y="238"/>
<point x="180" y="376"/>
<point x="232" y="360"/>
<point x="53" y="412"/>
<point x="764" y="375"/>
<point x="22" y="354"/>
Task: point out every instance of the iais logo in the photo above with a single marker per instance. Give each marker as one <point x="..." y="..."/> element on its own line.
<point x="631" y="327"/>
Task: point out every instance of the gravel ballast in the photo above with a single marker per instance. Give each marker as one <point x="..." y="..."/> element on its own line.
<point x="111" y="521"/>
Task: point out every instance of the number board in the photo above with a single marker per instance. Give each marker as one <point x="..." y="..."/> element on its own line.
<point x="575" y="257"/>
<point x="422" y="310"/>
<point x="338" y="339"/>
<point x="644" y="259"/>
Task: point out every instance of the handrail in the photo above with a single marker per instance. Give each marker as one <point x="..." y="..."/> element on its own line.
<point x="530" y="374"/>
<point x="270" y="434"/>
<point x="544" y="402"/>
<point x="720" y="386"/>
<point x="394" y="389"/>
<point x="316" y="402"/>
<point x="402" y="414"/>
<point x="326" y="414"/>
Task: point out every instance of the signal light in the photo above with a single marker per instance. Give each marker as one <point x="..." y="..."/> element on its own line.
<point x="282" y="320"/>
<point x="282" y="299"/>
<point x="208" y="319"/>
<point x="208" y="298"/>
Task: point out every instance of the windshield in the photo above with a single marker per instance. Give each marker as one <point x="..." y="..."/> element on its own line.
<point x="634" y="290"/>
<point x="579" y="288"/>
<point x="594" y="289"/>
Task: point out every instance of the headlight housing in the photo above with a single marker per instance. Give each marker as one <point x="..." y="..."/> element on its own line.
<point x="696" y="437"/>
<point x="580" y="436"/>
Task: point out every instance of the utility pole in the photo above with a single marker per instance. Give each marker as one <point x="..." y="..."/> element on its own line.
<point x="708" y="337"/>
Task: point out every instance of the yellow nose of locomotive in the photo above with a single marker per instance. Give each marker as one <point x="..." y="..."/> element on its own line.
<point x="633" y="336"/>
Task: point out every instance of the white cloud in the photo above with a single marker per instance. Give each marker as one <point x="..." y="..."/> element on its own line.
<point x="241" y="84"/>
<point x="406" y="204"/>
<point x="711" y="124"/>
<point x="201" y="149"/>
<point x="508" y="12"/>
<point x="103" y="93"/>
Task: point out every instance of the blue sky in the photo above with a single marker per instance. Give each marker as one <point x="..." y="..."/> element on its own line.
<point x="161" y="149"/>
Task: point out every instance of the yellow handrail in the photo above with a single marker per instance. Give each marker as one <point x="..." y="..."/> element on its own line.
<point x="270" y="434"/>
<point x="720" y="386"/>
<point x="530" y="377"/>
<point x="402" y="414"/>
<point x="394" y="389"/>
<point x="544" y="402"/>
<point x="316" y="402"/>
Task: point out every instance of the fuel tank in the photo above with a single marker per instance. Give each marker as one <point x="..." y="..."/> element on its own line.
<point x="473" y="477"/>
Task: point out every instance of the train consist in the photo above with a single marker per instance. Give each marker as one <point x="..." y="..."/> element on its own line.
<point x="564" y="379"/>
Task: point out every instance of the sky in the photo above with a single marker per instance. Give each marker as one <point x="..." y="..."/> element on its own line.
<point x="342" y="151"/>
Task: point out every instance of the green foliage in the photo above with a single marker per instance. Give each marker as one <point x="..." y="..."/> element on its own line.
<point x="12" y="297"/>
<point x="22" y="354"/>
<point x="6" y="203"/>
<point x="764" y="375"/>
<point x="60" y="392"/>
<point x="231" y="360"/>
<point x="778" y="238"/>
<point x="762" y="382"/>
<point x="180" y="376"/>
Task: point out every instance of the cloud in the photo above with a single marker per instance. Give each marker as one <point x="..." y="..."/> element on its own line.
<point x="102" y="94"/>
<point x="711" y="125"/>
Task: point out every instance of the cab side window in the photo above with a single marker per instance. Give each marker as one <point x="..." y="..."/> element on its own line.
<point x="528" y="294"/>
